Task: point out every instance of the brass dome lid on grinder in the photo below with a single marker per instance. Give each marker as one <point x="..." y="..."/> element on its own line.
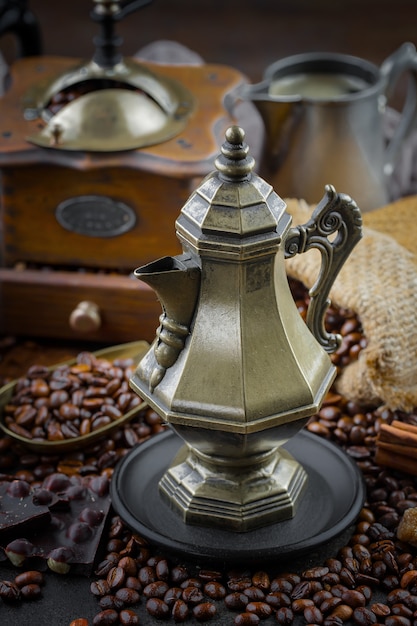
<point x="236" y="373"/>
<point x="110" y="103"/>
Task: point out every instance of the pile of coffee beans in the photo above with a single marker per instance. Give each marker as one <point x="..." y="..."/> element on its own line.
<point x="370" y="580"/>
<point x="71" y="400"/>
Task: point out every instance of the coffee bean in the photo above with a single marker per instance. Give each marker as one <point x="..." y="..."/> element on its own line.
<point x="261" y="579"/>
<point x="127" y="617"/>
<point x="108" y="617"/>
<point x="284" y="616"/>
<point x="162" y="570"/>
<point x="127" y="595"/>
<point x="397" y="620"/>
<point x="313" y="615"/>
<point x="236" y="601"/>
<point x="364" y="617"/>
<point x="9" y="591"/>
<point x="276" y="599"/>
<point x="215" y="590"/>
<point x="246" y="619"/>
<point x="31" y="591"/>
<point x="172" y="595"/>
<point x="192" y="595"/>
<point x="110" y="602"/>
<point x="157" y="589"/>
<point x="157" y="608"/>
<point x="261" y="609"/>
<point x="353" y="598"/>
<point x="254" y="593"/>
<point x="180" y="610"/>
<point x="28" y="578"/>
<point x="204" y="611"/>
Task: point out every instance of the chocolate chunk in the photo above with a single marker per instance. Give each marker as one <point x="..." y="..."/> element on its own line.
<point x="19" y="511"/>
<point x="64" y="516"/>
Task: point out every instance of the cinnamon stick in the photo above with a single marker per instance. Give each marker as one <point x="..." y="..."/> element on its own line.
<point x="396" y="461"/>
<point x="400" y="433"/>
<point x="397" y="446"/>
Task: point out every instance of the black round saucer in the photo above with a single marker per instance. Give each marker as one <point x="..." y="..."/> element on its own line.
<point x="333" y="498"/>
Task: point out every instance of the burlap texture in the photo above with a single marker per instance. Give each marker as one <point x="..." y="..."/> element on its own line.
<point x="379" y="283"/>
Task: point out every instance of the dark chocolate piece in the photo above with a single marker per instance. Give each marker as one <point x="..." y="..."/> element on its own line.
<point x="64" y="521"/>
<point x="19" y="511"/>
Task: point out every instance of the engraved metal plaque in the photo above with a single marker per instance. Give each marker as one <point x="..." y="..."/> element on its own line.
<point x="95" y="216"/>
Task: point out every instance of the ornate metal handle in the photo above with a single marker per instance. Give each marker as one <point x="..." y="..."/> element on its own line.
<point x="337" y="217"/>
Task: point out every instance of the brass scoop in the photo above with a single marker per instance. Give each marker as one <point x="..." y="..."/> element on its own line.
<point x="135" y="350"/>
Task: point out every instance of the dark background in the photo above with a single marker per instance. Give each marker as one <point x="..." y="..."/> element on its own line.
<point x="246" y="35"/>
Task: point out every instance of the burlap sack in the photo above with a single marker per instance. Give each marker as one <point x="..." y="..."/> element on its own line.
<point x="379" y="283"/>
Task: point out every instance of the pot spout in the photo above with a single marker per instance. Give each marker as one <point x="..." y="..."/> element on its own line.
<point x="176" y="282"/>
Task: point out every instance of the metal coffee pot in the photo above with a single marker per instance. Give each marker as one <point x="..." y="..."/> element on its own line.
<point x="234" y="369"/>
<point x="323" y="115"/>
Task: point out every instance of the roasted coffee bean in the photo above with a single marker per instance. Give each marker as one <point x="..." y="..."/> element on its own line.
<point x="192" y="595"/>
<point x="313" y="615"/>
<point x="321" y="596"/>
<point x="157" y="589"/>
<point x="301" y="590"/>
<point x="298" y="606"/>
<point x="128" y="564"/>
<point x="276" y="599"/>
<point x="108" y="617"/>
<point x="215" y="590"/>
<point x="261" y="609"/>
<point x="281" y="584"/>
<point x="127" y="617"/>
<point x="9" y="591"/>
<point x="172" y="595"/>
<point x="29" y="578"/>
<point x="353" y="598"/>
<point x="128" y="596"/>
<point x="162" y="570"/>
<point x="364" y="617"/>
<point x="397" y="620"/>
<point x="157" y="608"/>
<point x="31" y="591"/>
<point x="343" y="612"/>
<point x="261" y="579"/>
<point x="205" y="611"/>
<point x="180" y="610"/>
<point x="284" y="616"/>
<point x="380" y="609"/>
<point x="329" y="604"/>
<point x="100" y="587"/>
<point x="111" y="602"/>
<point x="147" y="575"/>
<point x="79" y="621"/>
<point x="333" y="620"/>
<point x="236" y="601"/>
<point x="179" y="574"/>
<point x="246" y="619"/>
<point x="397" y="596"/>
<point x="315" y="573"/>
<point x="254" y="593"/>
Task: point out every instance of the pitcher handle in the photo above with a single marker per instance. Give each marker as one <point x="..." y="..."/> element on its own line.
<point x="402" y="60"/>
<point x="335" y="214"/>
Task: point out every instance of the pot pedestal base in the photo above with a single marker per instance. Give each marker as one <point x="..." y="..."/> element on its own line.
<point x="333" y="498"/>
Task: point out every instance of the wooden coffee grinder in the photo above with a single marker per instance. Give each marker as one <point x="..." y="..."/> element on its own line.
<point x="96" y="160"/>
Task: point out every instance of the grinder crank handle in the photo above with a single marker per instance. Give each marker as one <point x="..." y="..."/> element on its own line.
<point x="336" y="216"/>
<point x="107" y="13"/>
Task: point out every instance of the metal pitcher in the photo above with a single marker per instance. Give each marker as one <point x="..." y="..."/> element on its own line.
<point x="323" y="115"/>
